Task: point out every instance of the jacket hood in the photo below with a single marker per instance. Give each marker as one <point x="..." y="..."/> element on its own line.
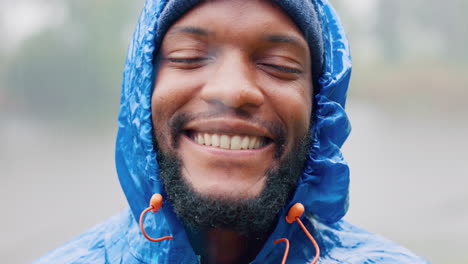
<point x="323" y="185"/>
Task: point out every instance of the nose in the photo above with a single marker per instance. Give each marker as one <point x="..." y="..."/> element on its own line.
<point x="233" y="84"/>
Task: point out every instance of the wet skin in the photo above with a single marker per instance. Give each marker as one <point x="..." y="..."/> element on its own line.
<point x="237" y="84"/>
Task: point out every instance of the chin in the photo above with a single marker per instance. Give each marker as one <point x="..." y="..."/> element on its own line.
<point x="229" y="190"/>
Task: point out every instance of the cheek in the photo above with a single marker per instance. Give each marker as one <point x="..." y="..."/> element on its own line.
<point x="163" y="106"/>
<point x="298" y="113"/>
<point x="173" y="92"/>
<point x="159" y="117"/>
<point x="294" y="106"/>
<point x="174" y="88"/>
<point x="167" y="92"/>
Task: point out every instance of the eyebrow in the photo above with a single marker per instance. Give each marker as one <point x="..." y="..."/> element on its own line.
<point x="192" y="30"/>
<point x="276" y="38"/>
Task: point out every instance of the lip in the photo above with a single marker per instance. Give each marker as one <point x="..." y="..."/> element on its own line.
<point x="229" y="126"/>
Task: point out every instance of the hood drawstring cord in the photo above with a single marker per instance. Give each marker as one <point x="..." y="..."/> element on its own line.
<point x="294" y="214"/>
<point x="155" y="204"/>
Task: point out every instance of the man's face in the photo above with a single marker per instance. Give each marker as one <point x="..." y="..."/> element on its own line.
<point x="233" y="95"/>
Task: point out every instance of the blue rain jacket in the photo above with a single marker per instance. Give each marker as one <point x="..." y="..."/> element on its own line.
<point x="322" y="188"/>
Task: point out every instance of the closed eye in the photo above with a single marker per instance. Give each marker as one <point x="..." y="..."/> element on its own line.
<point x="282" y="68"/>
<point x="187" y="63"/>
<point x="187" y="60"/>
<point x="280" y="72"/>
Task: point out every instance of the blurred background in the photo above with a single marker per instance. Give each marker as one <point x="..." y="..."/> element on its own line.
<point x="61" y="64"/>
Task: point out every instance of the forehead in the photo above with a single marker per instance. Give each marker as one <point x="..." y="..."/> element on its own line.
<point x="234" y="16"/>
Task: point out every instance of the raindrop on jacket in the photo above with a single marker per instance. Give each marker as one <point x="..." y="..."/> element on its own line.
<point x="322" y="188"/>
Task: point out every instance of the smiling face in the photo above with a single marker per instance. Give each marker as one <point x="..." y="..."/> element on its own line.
<point x="232" y="96"/>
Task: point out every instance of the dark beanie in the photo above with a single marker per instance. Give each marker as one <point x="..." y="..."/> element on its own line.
<point x="302" y="12"/>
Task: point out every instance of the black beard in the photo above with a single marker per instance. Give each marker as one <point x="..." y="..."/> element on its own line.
<point x="249" y="217"/>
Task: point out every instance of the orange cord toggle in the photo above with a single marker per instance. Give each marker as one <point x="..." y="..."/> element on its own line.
<point x="155" y="204"/>
<point x="294" y="214"/>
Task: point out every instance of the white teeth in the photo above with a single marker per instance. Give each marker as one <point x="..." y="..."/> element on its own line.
<point x="207" y="138"/>
<point x="215" y="140"/>
<point x="224" y="142"/>
<point x="236" y="142"/>
<point x="245" y="143"/>
<point x="200" y="139"/>
<point x="253" y="141"/>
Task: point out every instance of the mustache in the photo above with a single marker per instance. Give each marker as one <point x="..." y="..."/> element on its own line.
<point x="277" y="129"/>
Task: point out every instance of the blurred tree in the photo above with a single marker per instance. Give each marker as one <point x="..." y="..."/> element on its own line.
<point x="443" y="22"/>
<point x="74" y="71"/>
<point x="387" y="28"/>
<point x="448" y="19"/>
